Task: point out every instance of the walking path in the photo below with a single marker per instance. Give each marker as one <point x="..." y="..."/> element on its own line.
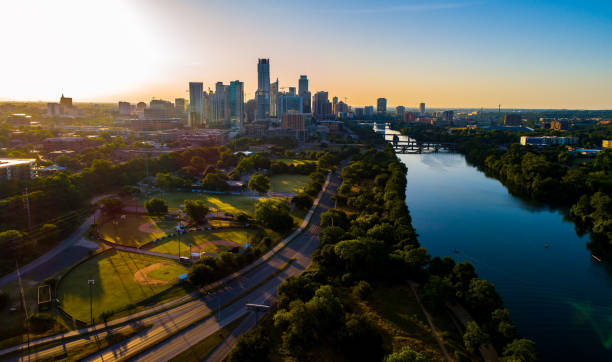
<point x="431" y="325"/>
<point x="486" y="350"/>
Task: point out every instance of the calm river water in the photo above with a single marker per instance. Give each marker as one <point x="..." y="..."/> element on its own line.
<point x="558" y="296"/>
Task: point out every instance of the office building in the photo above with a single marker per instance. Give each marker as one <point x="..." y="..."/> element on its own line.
<point x="274" y="113"/>
<point x="263" y="89"/>
<point x="159" y="109"/>
<point x="422" y="109"/>
<point x="322" y="108"/>
<point x="512" y="119"/>
<point x="341" y="108"/>
<point x="289" y="103"/>
<point x="381" y="105"/>
<point x="335" y="105"/>
<point x="295" y="122"/>
<point x="400" y="111"/>
<point x="304" y="93"/>
<point x="358" y="112"/>
<point x="196" y="108"/>
<point x="236" y="89"/>
<point x="368" y="111"/>
<point x="548" y="141"/>
<point x="179" y="107"/>
<point x="409" y="117"/>
<point x="141" y="106"/>
<point x="448" y="116"/>
<point x="125" y="108"/>
<point x="16" y="168"/>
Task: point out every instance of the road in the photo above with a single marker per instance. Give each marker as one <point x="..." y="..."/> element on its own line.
<point x="154" y="339"/>
<point x="62" y="256"/>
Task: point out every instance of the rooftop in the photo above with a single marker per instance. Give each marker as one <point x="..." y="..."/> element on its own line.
<point x="8" y="162"/>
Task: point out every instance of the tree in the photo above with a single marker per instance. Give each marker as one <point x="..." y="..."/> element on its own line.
<point x="520" y="350"/>
<point x="326" y="161"/>
<point x="259" y="183"/>
<point x="482" y="297"/>
<point x="273" y="214"/>
<point x="156" y="206"/>
<point x="474" y="337"/>
<point x="302" y="201"/>
<point x="196" y="210"/>
<point x="215" y="181"/>
<point x="335" y="217"/>
<point x="406" y="354"/>
<point x="11" y="241"/>
<point x="331" y="235"/>
<point x="111" y="205"/>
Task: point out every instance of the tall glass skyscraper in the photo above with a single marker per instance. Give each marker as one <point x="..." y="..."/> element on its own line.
<point x="263" y="88"/>
<point x="237" y="102"/>
<point x="196" y="106"/>
<point x="304" y="93"/>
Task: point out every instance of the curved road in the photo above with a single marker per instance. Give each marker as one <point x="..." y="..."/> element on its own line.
<point x="154" y="341"/>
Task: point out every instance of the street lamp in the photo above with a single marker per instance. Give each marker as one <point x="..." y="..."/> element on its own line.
<point x="91" y="283"/>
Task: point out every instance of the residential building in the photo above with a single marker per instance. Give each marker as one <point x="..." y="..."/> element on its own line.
<point x="359" y="112"/>
<point x="381" y="105"/>
<point x="274" y="100"/>
<point x="422" y="109"/>
<point x="263" y="89"/>
<point x="409" y="117"/>
<point x="368" y="111"/>
<point x="236" y="89"/>
<point x="54" y="109"/>
<point x="322" y="108"/>
<point x="289" y="103"/>
<point x="196" y="107"/>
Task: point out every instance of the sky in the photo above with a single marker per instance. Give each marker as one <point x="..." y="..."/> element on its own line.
<point x="447" y="53"/>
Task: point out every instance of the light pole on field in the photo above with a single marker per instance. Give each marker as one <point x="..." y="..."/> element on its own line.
<point x="91" y="283"/>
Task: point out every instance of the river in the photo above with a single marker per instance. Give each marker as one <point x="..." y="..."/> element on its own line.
<point x="558" y="296"/>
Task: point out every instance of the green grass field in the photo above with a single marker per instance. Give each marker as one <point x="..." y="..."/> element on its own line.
<point x="136" y="230"/>
<point x="204" y="241"/>
<point x="288" y="183"/>
<point x="116" y="286"/>
<point x="224" y="203"/>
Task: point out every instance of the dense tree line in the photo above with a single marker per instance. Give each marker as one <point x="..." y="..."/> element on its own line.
<point x="369" y="240"/>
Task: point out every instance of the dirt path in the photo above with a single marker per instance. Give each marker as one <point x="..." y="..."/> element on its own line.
<point x="431" y="325"/>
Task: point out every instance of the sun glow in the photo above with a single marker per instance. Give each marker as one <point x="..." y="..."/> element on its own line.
<point x="84" y="48"/>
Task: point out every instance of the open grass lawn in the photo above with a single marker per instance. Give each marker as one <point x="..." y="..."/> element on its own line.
<point x="223" y="203"/>
<point x="116" y="286"/>
<point x="135" y="230"/>
<point x="294" y="161"/>
<point x="205" y="241"/>
<point x="288" y="183"/>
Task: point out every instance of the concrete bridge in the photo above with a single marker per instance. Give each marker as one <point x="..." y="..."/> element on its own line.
<point x="412" y="146"/>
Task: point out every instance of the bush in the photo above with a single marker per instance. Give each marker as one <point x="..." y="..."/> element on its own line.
<point x="196" y="210"/>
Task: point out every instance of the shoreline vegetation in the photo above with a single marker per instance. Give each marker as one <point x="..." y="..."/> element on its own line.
<point x="368" y="253"/>
<point x="549" y="175"/>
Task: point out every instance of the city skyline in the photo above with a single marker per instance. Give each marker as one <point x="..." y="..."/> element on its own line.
<point x="452" y="54"/>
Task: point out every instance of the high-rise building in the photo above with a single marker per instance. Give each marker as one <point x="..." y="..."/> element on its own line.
<point x="368" y="110"/>
<point x="289" y="103"/>
<point x="422" y="109"/>
<point x="196" y="107"/>
<point x="250" y="108"/>
<point x="381" y="105"/>
<point x="322" y="108"/>
<point x="400" y="111"/>
<point x="237" y="102"/>
<point x="263" y="88"/>
<point x="125" y="108"/>
<point x="179" y="107"/>
<point x="54" y="109"/>
<point x="304" y="93"/>
<point x="274" y="100"/>
<point x="359" y="112"/>
<point x="295" y="122"/>
<point x="448" y="116"/>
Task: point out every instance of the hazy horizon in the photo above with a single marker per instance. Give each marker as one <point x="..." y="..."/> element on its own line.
<point x="448" y="54"/>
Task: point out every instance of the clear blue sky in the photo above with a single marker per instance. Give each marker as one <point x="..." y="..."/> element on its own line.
<point x="448" y="53"/>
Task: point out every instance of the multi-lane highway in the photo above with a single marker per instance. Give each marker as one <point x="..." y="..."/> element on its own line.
<point x="177" y="322"/>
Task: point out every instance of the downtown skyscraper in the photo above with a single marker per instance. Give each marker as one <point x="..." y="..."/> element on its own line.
<point x="196" y="106"/>
<point x="262" y="95"/>
<point x="304" y="93"/>
<point x="236" y="89"/>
